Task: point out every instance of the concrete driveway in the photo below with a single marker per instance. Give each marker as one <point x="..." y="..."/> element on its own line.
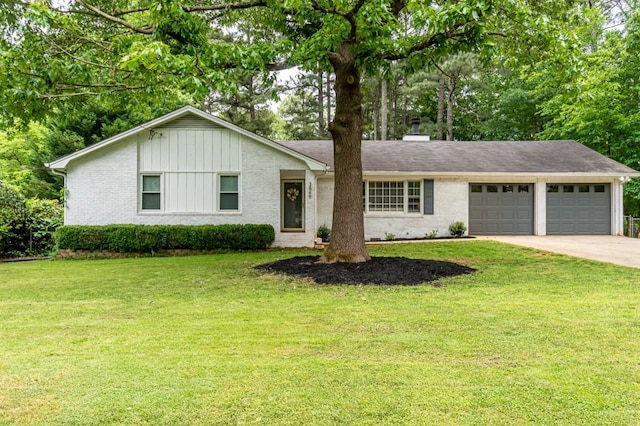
<point x="605" y="248"/>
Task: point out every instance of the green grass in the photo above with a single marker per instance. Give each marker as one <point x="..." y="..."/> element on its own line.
<point x="531" y="338"/>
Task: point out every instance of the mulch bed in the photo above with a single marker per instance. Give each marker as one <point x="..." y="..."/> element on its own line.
<point x="377" y="271"/>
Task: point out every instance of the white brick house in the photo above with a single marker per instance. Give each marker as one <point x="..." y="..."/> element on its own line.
<point x="189" y="167"/>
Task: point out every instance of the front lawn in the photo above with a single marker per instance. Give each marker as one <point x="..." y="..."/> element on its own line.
<point x="531" y="338"/>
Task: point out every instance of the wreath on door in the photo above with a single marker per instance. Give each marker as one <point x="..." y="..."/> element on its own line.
<point x="292" y="194"/>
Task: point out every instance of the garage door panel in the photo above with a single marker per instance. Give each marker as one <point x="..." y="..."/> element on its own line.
<point x="492" y="227"/>
<point x="501" y="209"/>
<point x="507" y="228"/>
<point x="492" y="214"/>
<point x="581" y="212"/>
<point x="508" y="214"/>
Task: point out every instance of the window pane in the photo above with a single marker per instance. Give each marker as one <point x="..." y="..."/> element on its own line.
<point x="476" y="188"/>
<point x="567" y="188"/>
<point x="229" y="183"/>
<point x="492" y="188"/>
<point x="552" y="188"/>
<point x="523" y="188"/>
<point x="228" y="201"/>
<point x="387" y="196"/>
<point x="151" y="201"/>
<point x="598" y="188"/>
<point x="583" y="188"/>
<point x="151" y="183"/>
<point x="413" y="197"/>
<point x="507" y="188"/>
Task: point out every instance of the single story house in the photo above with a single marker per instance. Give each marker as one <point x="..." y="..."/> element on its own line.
<point x="189" y="167"/>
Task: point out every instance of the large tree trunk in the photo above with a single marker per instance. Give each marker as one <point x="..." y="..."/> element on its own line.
<point x="347" y="229"/>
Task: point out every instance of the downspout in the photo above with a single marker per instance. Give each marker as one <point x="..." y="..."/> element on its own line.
<point x="64" y="186"/>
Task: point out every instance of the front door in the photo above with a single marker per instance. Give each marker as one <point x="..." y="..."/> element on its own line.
<point x="293" y="205"/>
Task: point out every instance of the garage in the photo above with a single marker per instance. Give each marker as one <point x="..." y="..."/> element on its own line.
<point x="578" y="209"/>
<point x="501" y="209"/>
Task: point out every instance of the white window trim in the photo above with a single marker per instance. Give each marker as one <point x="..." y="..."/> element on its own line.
<point x="141" y="192"/>
<point x="219" y="210"/>
<point x="405" y="206"/>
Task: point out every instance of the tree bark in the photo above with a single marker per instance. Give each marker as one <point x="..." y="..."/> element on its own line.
<point x="383" y="111"/>
<point x="320" y="83"/>
<point x="440" y="117"/>
<point x="452" y="89"/>
<point x="252" y="107"/>
<point x="347" y="230"/>
<point x="328" y="97"/>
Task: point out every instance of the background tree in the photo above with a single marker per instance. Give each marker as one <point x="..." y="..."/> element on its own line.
<point x="154" y="47"/>
<point x="304" y="110"/>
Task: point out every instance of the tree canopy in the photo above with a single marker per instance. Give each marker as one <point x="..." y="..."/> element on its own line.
<point x="155" y="53"/>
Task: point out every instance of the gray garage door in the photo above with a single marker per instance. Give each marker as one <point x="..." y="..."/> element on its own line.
<point x="578" y="209"/>
<point x="501" y="209"/>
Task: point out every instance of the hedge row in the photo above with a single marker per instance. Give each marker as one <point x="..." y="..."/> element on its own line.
<point x="148" y="238"/>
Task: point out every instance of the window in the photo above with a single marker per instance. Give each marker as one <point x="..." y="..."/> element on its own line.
<point x="492" y="188"/>
<point x="583" y="188"/>
<point x="151" y="195"/>
<point x="552" y="188"/>
<point x="476" y="188"/>
<point x="523" y="188"/>
<point x="386" y="196"/>
<point x="567" y="188"/>
<point x="229" y="193"/>
<point x="392" y="196"/>
<point x="598" y="188"/>
<point x="413" y="197"/>
<point x="507" y="188"/>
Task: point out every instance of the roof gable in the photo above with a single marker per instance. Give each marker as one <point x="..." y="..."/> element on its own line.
<point x="185" y="117"/>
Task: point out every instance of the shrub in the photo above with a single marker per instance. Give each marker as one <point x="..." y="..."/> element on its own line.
<point x="431" y="235"/>
<point x="457" y="229"/>
<point x="324" y="232"/>
<point x="151" y="238"/>
<point x="389" y="236"/>
<point x="45" y="216"/>
<point x="14" y="220"/>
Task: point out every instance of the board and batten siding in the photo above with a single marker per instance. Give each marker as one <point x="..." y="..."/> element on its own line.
<point x="190" y="161"/>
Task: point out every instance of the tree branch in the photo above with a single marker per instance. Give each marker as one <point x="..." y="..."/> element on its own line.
<point x="115" y="19"/>
<point x="353" y="12"/>
<point x="75" y="94"/>
<point x="227" y="6"/>
<point x="424" y="45"/>
<point x="81" y="60"/>
<point x="435" y="64"/>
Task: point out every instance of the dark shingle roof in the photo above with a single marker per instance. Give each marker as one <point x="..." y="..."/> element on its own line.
<point x="472" y="157"/>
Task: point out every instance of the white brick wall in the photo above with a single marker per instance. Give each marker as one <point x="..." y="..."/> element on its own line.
<point x="102" y="186"/>
<point x="103" y="189"/>
<point x="450" y="205"/>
